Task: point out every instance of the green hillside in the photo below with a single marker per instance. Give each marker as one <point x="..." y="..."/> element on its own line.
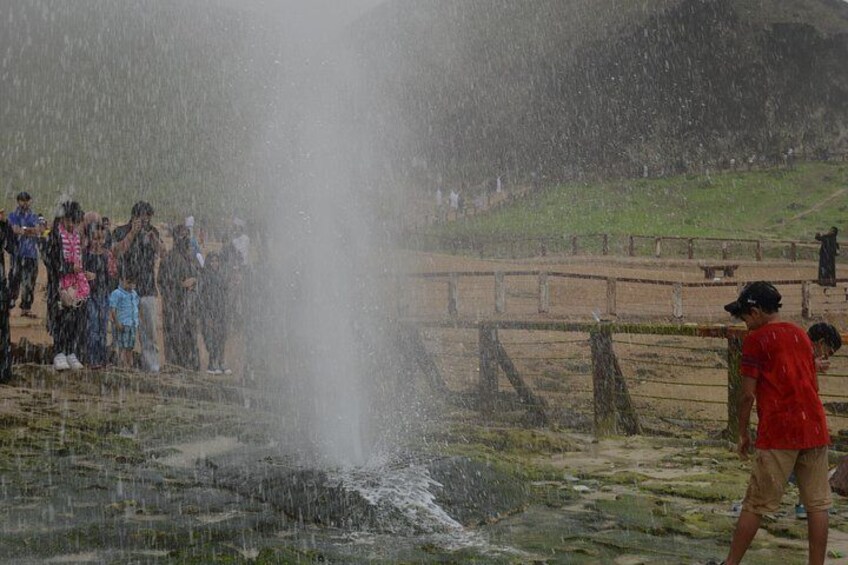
<point x="772" y="204"/>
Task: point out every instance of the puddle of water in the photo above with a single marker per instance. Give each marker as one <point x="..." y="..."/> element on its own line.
<point x="190" y="453"/>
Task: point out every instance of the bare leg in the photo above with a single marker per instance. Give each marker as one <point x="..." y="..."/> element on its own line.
<point x="817" y="524"/>
<point x="746" y="529"/>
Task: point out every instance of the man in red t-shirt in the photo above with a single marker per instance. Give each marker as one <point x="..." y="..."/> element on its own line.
<point x="779" y="371"/>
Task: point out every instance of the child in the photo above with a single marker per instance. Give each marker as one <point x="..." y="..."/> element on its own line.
<point x="826" y="341"/>
<point x="98" y="261"/>
<point x="212" y="290"/>
<point x="123" y="306"/>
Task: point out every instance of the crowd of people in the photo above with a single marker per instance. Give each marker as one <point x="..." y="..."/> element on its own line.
<point x="105" y="287"/>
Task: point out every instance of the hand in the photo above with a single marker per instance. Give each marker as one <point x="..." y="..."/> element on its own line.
<point x="135" y="225"/>
<point x="189" y="284"/>
<point x="744" y="446"/>
<point x="89" y="276"/>
<point x="119" y="325"/>
<point x="77" y="268"/>
<point x="822" y="365"/>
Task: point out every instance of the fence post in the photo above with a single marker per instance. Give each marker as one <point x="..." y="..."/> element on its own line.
<point x="611" y="305"/>
<point x="658" y="247"/>
<point x="677" y="301"/>
<point x="487" y="342"/>
<point x="631" y="246"/>
<point x="574" y="245"/>
<point x="544" y="293"/>
<point x="500" y="293"/>
<point x="758" y="252"/>
<point x="605" y="245"/>
<point x="805" y="300"/>
<point x="793" y="252"/>
<point x="690" y="248"/>
<point x="734" y="384"/>
<point x="602" y="381"/>
<point x="725" y="250"/>
<point x="453" y="294"/>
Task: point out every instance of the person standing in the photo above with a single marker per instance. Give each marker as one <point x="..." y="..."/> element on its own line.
<point x="136" y="246"/>
<point x="98" y="261"/>
<point x="178" y="274"/>
<point x="67" y="287"/>
<point x="212" y="298"/>
<point x="123" y="311"/>
<point x="7" y="242"/>
<point x="779" y="374"/>
<point x="24" y="267"/>
<point x="827" y="256"/>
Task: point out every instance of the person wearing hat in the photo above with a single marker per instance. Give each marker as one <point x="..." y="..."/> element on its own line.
<point x="24" y="268"/>
<point x="779" y="374"/>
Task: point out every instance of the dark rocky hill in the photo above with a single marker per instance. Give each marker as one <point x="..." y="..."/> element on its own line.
<point x="604" y="86"/>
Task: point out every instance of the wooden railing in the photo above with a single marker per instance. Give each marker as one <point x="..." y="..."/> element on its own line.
<point x="676" y="307"/>
<point x="614" y="411"/>
<point x="605" y="244"/>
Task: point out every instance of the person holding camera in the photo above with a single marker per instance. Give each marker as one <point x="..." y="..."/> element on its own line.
<point x="136" y="246"/>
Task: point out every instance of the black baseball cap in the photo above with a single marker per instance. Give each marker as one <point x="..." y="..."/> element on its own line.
<point x="759" y="294"/>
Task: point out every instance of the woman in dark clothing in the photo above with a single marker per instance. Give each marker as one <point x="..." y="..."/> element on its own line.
<point x="212" y="295"/>
<point x="63" y="259"/>
<point x="827" y="257"/>
<point x="7" y="242"/>
<point x="178" y="284"/>
<point x="97" y="259"/>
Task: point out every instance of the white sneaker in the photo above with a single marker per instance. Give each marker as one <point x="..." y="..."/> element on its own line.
<point x="60" y="362"/>
<point x="225" y="370"/>
<point x="74" y="362"/>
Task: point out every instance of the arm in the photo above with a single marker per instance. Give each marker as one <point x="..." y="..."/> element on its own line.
<point x="120" y="247"/>
<point x="746" y="403"/>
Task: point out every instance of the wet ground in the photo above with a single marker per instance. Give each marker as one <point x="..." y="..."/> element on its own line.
<point x="124" y="467"/>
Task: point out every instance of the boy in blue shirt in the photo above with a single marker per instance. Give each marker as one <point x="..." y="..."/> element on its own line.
<point x="123" y="311"/>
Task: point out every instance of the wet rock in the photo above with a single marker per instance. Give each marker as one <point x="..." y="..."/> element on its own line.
<point x="475" y="492"/>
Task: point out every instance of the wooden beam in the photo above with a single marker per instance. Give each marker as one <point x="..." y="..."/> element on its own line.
<point x="536" y="405"/>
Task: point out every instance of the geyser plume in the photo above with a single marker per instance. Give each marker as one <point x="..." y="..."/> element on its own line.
<point x="330" y="346"/>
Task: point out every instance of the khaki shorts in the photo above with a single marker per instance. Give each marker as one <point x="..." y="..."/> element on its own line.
<point x="771" y="471"/>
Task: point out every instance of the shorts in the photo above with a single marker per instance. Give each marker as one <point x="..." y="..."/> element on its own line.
<point x="125" y="337"/>
<point x="771" y="471"/>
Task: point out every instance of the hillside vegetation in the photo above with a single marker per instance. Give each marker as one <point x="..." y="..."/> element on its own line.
<point x="564" y="87"/>
<point x="771" y="204"/>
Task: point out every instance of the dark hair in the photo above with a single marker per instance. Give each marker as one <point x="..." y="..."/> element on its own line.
<point x="71" y="210"/>
<point x="126" y="275"/>
<point x="23" y="196"/>
<point x="826" y="332"/>
<point x="141" y="208"/>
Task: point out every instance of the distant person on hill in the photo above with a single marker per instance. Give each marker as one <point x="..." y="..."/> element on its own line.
<point x="7" y="243"/>
<point x="136" y="246"/>
<point x="24" y="263"/>
<point x="178" y="274"/>
<point x="779" y="374"/>
<point x="827" y="256"/>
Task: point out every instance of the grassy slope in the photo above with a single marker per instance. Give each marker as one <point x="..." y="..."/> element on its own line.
<point x="741" y="204"/>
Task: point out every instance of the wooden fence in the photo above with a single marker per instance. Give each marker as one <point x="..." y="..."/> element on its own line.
<point x="605" y="244"/>
<point x="615" y="409"/>
<point x="675" y="307"/>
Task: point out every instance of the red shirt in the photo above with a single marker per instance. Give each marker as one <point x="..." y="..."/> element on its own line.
<point x="791" y="416"/>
